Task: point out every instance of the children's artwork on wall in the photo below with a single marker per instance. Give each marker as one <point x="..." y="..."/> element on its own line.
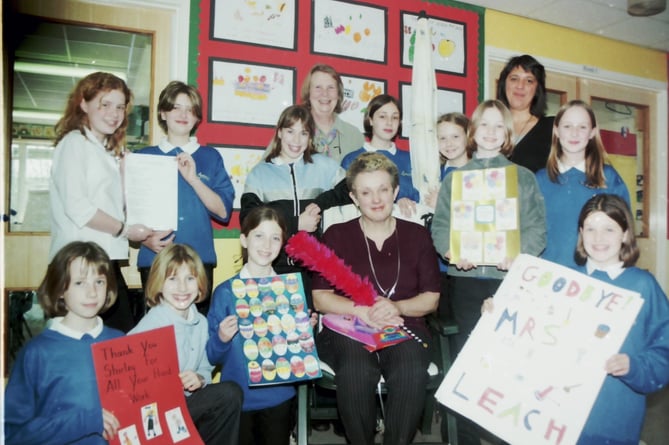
<point x="449" y="46"/>
<point x="358" y="92"/>
<point x="447" y="101"/>
<point x="349" y="29"/>
<point x="532" y="368"/>
<point x="248" y="75"/>
<point x="270" y="23"/>
<point x="248" y="93"/>
<point x="239" y="161"/>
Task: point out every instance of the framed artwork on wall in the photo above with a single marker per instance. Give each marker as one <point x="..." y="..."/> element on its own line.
<point x="259" y="23"/>
<point x="448" y="101"/>
<point x="247" y="93"/>
<point x="239" y="161"/>
<point x="348" y="29"/>
<point x="358" y="91"/>
<point x="449" y="43"/>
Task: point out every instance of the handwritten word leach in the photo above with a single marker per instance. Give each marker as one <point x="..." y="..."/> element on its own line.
<point x="520" y="414"/>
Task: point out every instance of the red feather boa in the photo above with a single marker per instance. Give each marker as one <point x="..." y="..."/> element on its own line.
<point x="318" y="257"/>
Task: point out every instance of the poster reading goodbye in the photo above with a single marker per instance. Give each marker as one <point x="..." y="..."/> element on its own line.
<point x="138" y="380"/>
<point x="532" y="368"/>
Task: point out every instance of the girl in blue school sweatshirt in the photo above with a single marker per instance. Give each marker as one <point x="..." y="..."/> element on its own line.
<point x="607" y="250"/>
<point x="576" y="170"/>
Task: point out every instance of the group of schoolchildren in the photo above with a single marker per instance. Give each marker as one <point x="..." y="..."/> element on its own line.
<point x="577" y="203"/>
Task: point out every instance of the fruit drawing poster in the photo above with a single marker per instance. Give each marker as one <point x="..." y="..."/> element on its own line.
<point x="532" y="368"/>
<point x="138" y="380"/>
<point x="278" y="337"/>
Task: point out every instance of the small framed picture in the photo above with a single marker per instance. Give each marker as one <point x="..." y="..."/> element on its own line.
<point x="449" y="43"/>
<point x="358" y="91"/>
<point x="249" y="93"/>
<point x="256" y="23"/>
<point x="349" y="29"/>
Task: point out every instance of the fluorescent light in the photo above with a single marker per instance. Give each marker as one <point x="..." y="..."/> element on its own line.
<point x="61" y="70"/>
<point x="35" y="116"/>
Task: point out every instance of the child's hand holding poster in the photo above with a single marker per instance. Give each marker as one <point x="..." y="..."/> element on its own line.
<point x="279" y="341"/>
<point x="531" y="369"/>
<point x="138" y="380"/>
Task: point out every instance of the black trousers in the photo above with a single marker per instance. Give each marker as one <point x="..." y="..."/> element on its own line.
<point x="357" y="373"/>
<point x="269" y="426"/>
<point x="215" y="410"/>
<point x="467" y="295"/>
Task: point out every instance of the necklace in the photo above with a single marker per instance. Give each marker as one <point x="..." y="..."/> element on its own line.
<point x="521" y="132"/>
<point x="389" y="292"/>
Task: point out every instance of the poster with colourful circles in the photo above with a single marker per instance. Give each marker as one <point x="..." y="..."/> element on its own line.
<point x="278" y="338"/>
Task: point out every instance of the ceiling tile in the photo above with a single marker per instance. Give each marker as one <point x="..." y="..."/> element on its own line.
<point x="579" y="14"/>
<point x="644" y="32"/>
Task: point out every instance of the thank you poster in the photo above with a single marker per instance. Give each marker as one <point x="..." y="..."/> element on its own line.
<point x="138" y="380"/>
<point x="531" y="369"/>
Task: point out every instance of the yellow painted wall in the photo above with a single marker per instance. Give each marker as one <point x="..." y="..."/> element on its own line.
<point x="541" y="39"/>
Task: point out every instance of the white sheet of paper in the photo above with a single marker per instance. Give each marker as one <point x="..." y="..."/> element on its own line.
<point x="151" y="191"/>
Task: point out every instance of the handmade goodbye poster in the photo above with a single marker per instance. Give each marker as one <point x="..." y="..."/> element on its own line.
<point x="484" y="215"/>
<point x="138" y="380"/>
<point x="148" y="180"/>
<point x="279" y="344"/>
<point x="531" y="369"/>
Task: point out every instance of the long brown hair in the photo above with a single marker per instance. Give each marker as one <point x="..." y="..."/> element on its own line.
<point x="531" y="65"/>
<point x="57" y="278"/>
<point x="461" y="121"/>
<point x="617" y="209"/>
<point x="595" y="154"/>
<point x="257" y="216"/>
<point x="288" y="118"/>
<point x="74" y="118"/>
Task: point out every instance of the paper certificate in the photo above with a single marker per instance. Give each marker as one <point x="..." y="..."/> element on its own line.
<point x="484" y="215"/>
<point x="279" y="344"/>
<point x="531" y="370"/>
<point x="138" y="379"/>
<point x="151" y="191"/>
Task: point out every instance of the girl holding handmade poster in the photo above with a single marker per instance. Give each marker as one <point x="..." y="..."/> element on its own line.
<point x="177" y="280"/>
<point x="267" y="411"/>
<point x="51" y="396"/>
<point x="488" y="212"/>
<point x="607" y="251"/>
<point x="576" y="170"/>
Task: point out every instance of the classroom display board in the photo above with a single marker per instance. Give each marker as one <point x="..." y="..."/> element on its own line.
<point x="252" y="58"/>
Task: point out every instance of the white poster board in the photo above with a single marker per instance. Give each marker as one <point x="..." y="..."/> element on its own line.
<point x="531" y="370"/>
<point x="151" y="191"/>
